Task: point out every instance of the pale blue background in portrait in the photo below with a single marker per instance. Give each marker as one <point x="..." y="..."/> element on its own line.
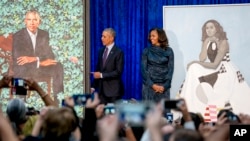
<point x="183" y="27"/>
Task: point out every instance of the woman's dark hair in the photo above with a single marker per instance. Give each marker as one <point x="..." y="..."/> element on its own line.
<point x="220" y="34"/>
<point x="162" y="37"/>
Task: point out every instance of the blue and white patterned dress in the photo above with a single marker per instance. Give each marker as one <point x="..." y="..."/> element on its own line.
<point x="157" y="66"/>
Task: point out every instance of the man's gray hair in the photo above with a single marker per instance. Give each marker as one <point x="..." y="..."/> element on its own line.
<point x="111" y="31"/>
<point x="16" y="110"/>
<point x="35" y="12"/>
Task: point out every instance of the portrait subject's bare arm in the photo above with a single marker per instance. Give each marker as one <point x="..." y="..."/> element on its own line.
<point x="222" y="50"/>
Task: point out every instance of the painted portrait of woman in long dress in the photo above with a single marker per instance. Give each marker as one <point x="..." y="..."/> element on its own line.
<point x="214" y="79"/>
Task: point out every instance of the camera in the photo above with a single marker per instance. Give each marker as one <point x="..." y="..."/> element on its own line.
<point x="133" y="113"/>
<point x="210" y="123"/>
<point x="231" y="117"/>
<point x="19" y="86"/>
<point x="109" y="109"/>
<point x="80" y="99"/>
<point x="32" y="111"/>
<point x="172" y="104"/>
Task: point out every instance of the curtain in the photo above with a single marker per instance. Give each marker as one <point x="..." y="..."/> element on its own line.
<point x="132" y="20"/>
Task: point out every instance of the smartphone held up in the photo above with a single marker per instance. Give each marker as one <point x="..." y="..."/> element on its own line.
<point x="18" y="86"/>
<point x="80" y="99"/>
<point x="172" y="104"/>
<point x="133" y="113"/>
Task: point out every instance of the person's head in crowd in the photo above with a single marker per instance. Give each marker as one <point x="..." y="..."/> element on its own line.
<point x="185" y="135"/>
<point x="32" y="20"/>
<point x="16" y="112"/>
<point x="58" y="124"/>
<point x="158" y="37"/>
<point x="196" y="118"/>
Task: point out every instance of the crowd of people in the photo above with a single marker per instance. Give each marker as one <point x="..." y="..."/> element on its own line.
<point x="63" y="124"/>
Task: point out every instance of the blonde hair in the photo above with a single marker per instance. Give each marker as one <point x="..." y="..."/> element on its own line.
<point x="59" y="123"/>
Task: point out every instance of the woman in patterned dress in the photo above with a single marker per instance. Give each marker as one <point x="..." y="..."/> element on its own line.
<point x="214" y="81"/>
<point x="157" y="66"/>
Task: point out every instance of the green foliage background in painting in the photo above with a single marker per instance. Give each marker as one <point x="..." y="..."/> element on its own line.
<point x="63" y="19"/>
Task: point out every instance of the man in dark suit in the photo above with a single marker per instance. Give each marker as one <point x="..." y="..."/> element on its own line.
<point x="109" y="69"/>
<point x="32" y="55"/>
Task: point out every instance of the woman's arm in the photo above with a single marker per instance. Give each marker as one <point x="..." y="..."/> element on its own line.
<point x="170" y="67"/>
<point x="144" y="70"/>
<point x="203" y="53"/>
<point x="222" y="50"/>
<point x="33" y="85"/>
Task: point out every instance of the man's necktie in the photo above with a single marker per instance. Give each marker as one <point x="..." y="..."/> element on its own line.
<point x="105" y="55"/>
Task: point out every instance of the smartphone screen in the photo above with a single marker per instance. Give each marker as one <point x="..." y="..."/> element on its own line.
<point x="132" y="113"/>
<point x="169" y="117"/>
<point x="80" y="99"/>
<point x="18" y="86"/>
<point x="109" y="109"/>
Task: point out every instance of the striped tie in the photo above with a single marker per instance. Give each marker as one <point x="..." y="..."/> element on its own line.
<point x="105" y="56"/>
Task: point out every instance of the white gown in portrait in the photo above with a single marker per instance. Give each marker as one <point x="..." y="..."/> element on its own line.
<point x="204" y="88"/>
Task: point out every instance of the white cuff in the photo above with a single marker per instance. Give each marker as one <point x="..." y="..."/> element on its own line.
<point x="38" y="62"/>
